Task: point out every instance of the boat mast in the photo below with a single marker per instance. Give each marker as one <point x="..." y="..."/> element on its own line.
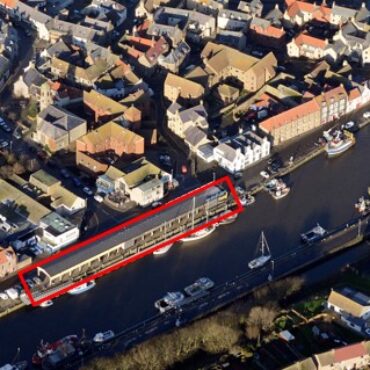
<point x="193" y="214"/>
<point x="264" y="244"/>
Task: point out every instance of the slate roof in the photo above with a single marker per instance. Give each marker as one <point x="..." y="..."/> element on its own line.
<point x="32" y="77"/>
<point x="130" y="232"/>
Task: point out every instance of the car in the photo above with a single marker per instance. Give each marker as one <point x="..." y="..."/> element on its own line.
<point x="4" y="296"/>
<point x="17" y="134"/>
<point x="12" y="293"/>
<point x="87" y="191"/>
<point x="76" y="181"/>
<point x="265" y="174"/>
<point x="4" y="144"/>
<point x="99" y="198"/>
<point x="366" y="114"/>
<point x="238" y="175"/>
<point x="65" y="173"/>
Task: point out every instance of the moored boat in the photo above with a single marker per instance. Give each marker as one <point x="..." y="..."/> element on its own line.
<point x="341" y="142"/>
<point x="163" y="250"/>
<point x="314" y="234"/>
<point x="82" y="288"/>
<point x="280" y="192"/>
<point x="199" y="287"/>
<point x="170" y="300"/>
<point x="203" y="233"/>
<point x="229" y="219"/>
<point x="22" y="365"/>
<point x="265" y="254"/>
<point x="47" y="303"/>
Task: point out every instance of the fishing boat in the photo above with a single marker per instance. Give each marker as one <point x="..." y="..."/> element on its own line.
<point x="46" y="349"/>
<point x="340" y="142"/>
<point x="170" y="300"/>
<point x="163" y="250"/>
<point x="103" y="336"/>
<point x="247" y="200"/>
<point x="82" y="288"/>
<point x="203" y="233"/>
<point x="265" y="254"/>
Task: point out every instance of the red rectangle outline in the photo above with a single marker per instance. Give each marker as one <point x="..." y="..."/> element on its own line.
<point x="118" y="227"/>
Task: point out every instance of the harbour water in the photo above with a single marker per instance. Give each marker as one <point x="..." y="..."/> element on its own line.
<point x="322" y="191"/>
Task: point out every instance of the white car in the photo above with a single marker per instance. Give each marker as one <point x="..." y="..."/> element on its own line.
<point x="4" y="296"/>
<point x="366" y="114"/>
<point x="87" y="191"/>
<point x="4" y="144"/>
<point x="98" y="198"/>
<point x="156" y="204"/>
<point x="12" y="293"/>
<point x="265" y="174"/>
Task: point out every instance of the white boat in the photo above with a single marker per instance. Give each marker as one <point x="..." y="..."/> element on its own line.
<point x="200" y="234"/>
<point x="229" y="219"/>
<point x="47" y="303"/>
<point x="199" y="287"/>
<point x="163" y="250"/>
<point x="363" y="205"/>
<point x="82" y="288"/>
<point x="313" y="234"/>
<point x="265" y="254"/>
<point x="280" y="192"/>
<point x="170" y="300"/>
<point x="103" y="337"/>
<point x="340" y="143"/>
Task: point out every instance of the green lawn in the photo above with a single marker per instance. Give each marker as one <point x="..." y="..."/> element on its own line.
<point x="311" y="307"/>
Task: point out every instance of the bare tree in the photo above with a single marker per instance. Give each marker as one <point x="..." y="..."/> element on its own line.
<point x="261" y="319"/>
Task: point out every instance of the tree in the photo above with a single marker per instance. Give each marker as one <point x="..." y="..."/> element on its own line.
<point x="11" y="158"/>
<point x="260" y="319"/>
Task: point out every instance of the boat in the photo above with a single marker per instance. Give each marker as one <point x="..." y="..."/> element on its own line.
<point x="199" y="287"/>
<point x="22" y="365"/>
<point x="247" y="200"/>
<point x="340" y="142"/>
<point x="47" y="303"/>
<point x="47" y="349"/>
<point x="163" y="250"/>
<point x="314" y="234"/>
<point x="169" y="301"/>
<point x="363" y="205"/>
<point x="279" y="193"/>
<point x="103" y="336"/>
<point x="265" y="254"/>
<point x="229" y="219"/>
<point x="82" y="288"/>
<point x="203" y="233"/>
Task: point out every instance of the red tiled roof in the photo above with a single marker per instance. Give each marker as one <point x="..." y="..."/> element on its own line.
<point x="354" y="94"/>
<point x="142" y="41"/>
<point x="322" y="14"/>
<point x="332" y="93"/>
<point x="304" y="39"/>
<point x="349" y="352"/>
<point x="300" y="6"/>
<point x="289" y="115"/>
<point x="9" y="3"/>
<point x="269" y="31"/>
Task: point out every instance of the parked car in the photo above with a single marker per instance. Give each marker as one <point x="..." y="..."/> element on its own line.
<point x="87" y="191"/>
<point x="265" y="174"/>
<point x="4" y="144"/>
<point x="65" y="173"/>
<point x="76" y="181"/>
<point x="4" y="296"/>
<point x="366" y="114"/>
<point x="156" y="204"/>
<point x="99" y="198"/>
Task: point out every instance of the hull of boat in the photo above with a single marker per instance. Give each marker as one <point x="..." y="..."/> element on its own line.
<point x="199" y="234"/>
<point x="334" y="152"/>
<point x="82" y="288"/>
<point x="163" y="250"/>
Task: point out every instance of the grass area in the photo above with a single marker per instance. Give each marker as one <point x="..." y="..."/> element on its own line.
<point x="311" y="307"/>
<point x="283" y="323"/>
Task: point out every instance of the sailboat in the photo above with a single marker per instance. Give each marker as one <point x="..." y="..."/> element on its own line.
<point x="265" y="254"/>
